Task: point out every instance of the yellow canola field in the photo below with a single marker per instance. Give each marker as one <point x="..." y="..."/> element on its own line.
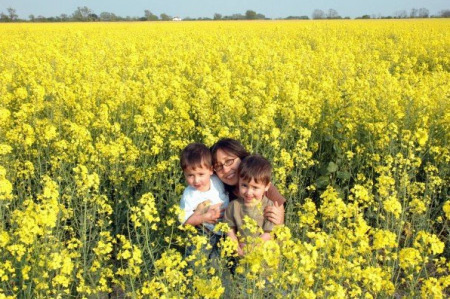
<point x="354" y="115"/>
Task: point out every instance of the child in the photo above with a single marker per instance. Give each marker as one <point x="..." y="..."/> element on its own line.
<point x="254" y="180"/>
<point x="204" y="188"/>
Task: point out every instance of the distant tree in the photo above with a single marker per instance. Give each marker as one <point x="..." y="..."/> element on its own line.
<point x="165" y="17"/>
<point x="424" y="13"/>
<point x="4" y="17"/>
<point x="332" y="14"/>
<point x="105" y="16"/>
<point x="82" y="13"/>
<point x="31" y="17"/>
<point x="250" y="15"/>
<point x="217" y="16"/>
<point x="236" y="16"/>
<point x="297" y="18"/>
<point x="93" y="17"/>
<point x="318" y="14"/>
<point x="12" y="14"/>
<point x="64" y="17"/>
<point x="445" y="13"/>
<point x="414" y="13"/>
<point x="365" y="17"/>
<point x="108" y="16"/>
<point x="260" y="16"/>
<point x="150" y="16"/>
<point x="401" y="14"/>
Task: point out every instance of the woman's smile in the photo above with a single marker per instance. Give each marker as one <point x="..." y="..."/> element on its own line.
<point x="228" y="174"/>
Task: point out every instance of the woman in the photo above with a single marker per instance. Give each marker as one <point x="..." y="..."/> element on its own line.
<point x="227" y="154"/>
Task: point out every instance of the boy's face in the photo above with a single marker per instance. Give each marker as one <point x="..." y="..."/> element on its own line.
<point x="252" y="191"/>
<point x="198" y="177"/>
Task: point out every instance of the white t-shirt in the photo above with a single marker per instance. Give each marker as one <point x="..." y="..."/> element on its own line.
<point x="191" y="198"/>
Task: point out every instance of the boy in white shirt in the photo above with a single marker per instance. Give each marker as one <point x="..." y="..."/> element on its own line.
<point x="205" y="194"/>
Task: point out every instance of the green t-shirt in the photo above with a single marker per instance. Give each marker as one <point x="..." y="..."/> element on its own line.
<point x="237" y="210"/>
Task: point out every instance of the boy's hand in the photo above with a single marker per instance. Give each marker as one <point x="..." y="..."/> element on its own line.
<point x="212" y="214"/>
<point x="240" y="251"/>
<point x="275" y="213"/>
<point x="203" y="207"/>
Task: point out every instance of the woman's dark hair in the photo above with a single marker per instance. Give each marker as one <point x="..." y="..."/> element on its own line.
<point x="229" y="145"/>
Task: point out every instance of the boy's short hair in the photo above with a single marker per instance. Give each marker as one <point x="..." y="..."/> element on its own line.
<point x="255" y="167"/>
<point x="195" y="155"/>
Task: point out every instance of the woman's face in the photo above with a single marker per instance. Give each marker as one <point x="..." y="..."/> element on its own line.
<point x="226" y="167"/>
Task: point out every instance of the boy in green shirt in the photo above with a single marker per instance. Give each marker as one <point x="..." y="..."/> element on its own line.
<point x="254" y="181"/>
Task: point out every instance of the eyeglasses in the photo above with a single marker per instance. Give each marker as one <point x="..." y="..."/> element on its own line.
<point x="219" y="167"/>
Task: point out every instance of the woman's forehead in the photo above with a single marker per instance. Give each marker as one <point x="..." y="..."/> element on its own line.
<point x="222" y="154"/>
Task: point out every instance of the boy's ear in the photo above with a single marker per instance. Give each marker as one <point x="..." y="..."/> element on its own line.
<point x="211" y="170"/>
<point x="267" y="187"/>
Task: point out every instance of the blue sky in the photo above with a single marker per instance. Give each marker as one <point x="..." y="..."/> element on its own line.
<point x="207" y="8"/>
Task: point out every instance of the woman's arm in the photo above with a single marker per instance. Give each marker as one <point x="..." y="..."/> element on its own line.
<point x="274" y="195"/>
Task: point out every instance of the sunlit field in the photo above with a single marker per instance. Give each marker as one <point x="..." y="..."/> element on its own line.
<point x="354" y="116"/>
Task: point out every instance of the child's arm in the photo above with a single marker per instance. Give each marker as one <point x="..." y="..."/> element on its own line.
<point x="266" y="236"/>
<point x="210" y="216"/>
<point x="232" y="235"/>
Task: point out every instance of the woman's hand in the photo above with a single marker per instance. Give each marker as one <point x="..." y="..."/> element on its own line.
<point x="275" y="213"/>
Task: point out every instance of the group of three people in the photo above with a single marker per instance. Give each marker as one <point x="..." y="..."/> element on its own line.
<point x="228" y="178"/>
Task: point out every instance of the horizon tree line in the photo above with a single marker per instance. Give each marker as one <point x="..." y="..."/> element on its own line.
<point x="85" y="14"/>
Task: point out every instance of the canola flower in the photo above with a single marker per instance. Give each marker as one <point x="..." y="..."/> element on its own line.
<point x="354" y="116"/>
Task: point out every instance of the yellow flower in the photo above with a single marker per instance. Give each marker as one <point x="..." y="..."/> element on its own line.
<point x="446" y="209"/>
<point x="93" y="117"/>
<point x="209" y="288"/>
<point x="5" y="186"/>
<point x="392" y="205"/>
<point x="384" y="239"/>
<point x="333" y="207"/>
<point x="421" y="136"/>
<point x="428" y="242"/>
<point x="308" y="213"/>
<point x="417" y="206"/>
<point x="361" y="194"/>
<point x="431" y="288"/>
<point x="154" y="289"/>
<point x="409" y="258"/>
<point x="5" y="149"/>
<point x="4" y="238"/>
